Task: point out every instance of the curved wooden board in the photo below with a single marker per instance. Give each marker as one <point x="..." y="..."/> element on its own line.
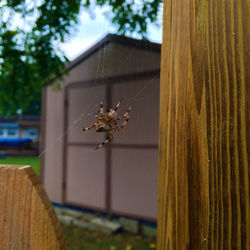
<point x="27" y="218"/>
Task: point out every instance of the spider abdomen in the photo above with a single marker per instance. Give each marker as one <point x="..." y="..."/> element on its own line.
<point x="101" y="129"/>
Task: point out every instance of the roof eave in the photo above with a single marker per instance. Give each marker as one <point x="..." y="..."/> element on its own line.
<point x="140" y="44"/>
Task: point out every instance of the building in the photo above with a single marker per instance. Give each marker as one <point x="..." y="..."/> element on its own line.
<point x="19" y="135"/>
<point x="120" y="178"/>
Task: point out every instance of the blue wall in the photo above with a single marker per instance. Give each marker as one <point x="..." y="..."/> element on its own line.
<point x="11" y="130"/>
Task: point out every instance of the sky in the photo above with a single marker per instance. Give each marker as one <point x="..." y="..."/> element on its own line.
<point x="92" y="27"/>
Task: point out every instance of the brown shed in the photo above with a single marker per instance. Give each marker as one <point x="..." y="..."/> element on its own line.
<point x="121" y="177"/>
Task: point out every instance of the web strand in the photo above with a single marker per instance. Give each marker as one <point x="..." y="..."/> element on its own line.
<point x="90" y="112"/>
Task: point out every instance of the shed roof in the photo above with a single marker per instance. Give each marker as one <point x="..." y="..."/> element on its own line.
<point x="140" y="44"/>
<point x="23" y="118"/>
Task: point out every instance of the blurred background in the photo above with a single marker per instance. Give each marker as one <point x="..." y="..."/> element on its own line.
<point x="58" y="61"/>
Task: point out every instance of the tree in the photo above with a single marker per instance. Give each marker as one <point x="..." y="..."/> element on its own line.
<point x="29" y="31"/>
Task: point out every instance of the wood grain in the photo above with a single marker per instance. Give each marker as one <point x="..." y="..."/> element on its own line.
<point x="27" y="218"/>
<point x="204" y="131"/>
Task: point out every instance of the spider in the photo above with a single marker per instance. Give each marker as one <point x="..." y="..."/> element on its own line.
<point x="108" y="122"/>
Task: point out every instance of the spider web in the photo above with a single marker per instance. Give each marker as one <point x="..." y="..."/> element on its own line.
<point x="89" y="115"/>
<point x="76" y="151"/>
<point x="102" y="70"/>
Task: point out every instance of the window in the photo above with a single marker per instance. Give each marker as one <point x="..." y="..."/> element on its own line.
<point x="1" y="131"/>
<point x="12" y="132"/>
<point x="32" y="132"/>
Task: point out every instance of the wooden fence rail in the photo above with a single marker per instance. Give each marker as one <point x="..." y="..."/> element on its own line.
<point x="204" y="139"/>
<point x="27" y="218"/>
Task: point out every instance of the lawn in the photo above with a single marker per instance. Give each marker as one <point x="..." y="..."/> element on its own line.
<point x="84" y="239"/>
<point x="34" y="162"/>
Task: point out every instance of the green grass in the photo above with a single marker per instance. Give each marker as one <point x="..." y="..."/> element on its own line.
<point x="32" y="161"/>
<point x="81" y="239"/>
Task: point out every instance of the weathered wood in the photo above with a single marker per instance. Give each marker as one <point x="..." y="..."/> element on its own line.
<point x="204" y="126"/>
<point x="27" y="218"/>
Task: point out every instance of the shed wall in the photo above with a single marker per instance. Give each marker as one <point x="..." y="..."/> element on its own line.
<point x="85" y="177"/>
<point x="130" y="165"/>
<point x="134" y="181"/>
<point x="114" y="60"/>
<point x="86" y="170"/>
<point x="53" y="148"/>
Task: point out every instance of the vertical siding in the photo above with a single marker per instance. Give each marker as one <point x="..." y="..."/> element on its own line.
<point x="53" y="144"/>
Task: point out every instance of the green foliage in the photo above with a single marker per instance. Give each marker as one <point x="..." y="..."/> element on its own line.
<point x="131" y="16"/>
<point x="29" y="32"/>
<point x="18" y="77"/>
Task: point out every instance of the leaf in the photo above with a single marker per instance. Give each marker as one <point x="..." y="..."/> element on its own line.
<point x="128" y="247"/>
<point x="152" y="245"/>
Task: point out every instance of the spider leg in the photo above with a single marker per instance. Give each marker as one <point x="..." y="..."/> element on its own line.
<point x="123" y="124"/>
<point x="101" y="111"/>
<point x="109" y="139"/>
<point x="112" y="112"/>
<point x="125" y="115"/>
<point x="117" y="106"/>
<point x="91" y="127"/>
<point x="101" y="108"/>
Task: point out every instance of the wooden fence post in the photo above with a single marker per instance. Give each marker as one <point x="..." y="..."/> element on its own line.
<point x="27" y="218"/>
<point x="204" y="126"/>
